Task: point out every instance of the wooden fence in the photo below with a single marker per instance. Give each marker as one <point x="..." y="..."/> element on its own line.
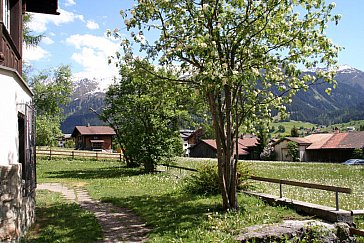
<point x="306" y="185"/>
<point x="50" y="153"/>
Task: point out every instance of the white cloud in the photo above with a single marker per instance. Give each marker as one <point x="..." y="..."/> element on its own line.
<point x="34" y="53"/>
<point x="69" y="3"/>
<point x="92" y="54"/>
<point x="46" y="40"/>
<point x="92" y="25"/>
<point x="39" y="22"/>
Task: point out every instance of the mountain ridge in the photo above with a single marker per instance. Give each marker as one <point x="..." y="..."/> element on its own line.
<point x="345" y="103"/>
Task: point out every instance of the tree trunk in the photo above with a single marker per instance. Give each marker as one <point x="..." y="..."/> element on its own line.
<point x="223" y="126"/>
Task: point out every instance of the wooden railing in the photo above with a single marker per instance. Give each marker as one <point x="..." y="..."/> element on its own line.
<point x="306" y="185"/>
<point x="79" y="154"/>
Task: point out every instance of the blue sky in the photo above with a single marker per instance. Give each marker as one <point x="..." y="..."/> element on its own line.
<point x="77" y="36"/>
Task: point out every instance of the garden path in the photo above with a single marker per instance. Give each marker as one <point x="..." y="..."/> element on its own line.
<point x="118" y="224"/>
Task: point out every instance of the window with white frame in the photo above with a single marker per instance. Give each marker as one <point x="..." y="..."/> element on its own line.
<point x="6" y="14"/>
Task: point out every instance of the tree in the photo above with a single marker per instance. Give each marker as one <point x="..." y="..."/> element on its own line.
<point x="144" y="112"/>
<point x="243" y="56"/>
<point x="293" y="151"/>
<point x="28" y="37"/>
<point x="51" y="92"/>
<point x="294" y="132"/>
<point x="281" y="128"/>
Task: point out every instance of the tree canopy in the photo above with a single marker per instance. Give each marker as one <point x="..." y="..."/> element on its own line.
<point x="244" y="56"/>
<point x="51" y="92"/>
<point x="145" y="113"/>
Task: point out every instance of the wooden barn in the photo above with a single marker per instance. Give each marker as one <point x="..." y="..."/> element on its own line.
<point x="207" y="148"/>
<point x="96" y="138"/>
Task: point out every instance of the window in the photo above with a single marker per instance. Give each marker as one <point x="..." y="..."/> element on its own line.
<point x="26" y="149"/>
<point x="6" y="14"/>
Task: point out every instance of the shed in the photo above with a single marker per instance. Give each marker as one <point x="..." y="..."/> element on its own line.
<point x="95" y="138"/>
<point x="207" y="148"/>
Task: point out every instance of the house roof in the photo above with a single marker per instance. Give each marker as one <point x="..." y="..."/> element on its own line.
<point x="249" y="142"/>
<point x="300" y="141"/>
<point x="42" y="6"/>
<point x="93" y="130"/>
<point x="187" y="134"/>
<point x="348" y="140"/>
<point x="243" y="144"/>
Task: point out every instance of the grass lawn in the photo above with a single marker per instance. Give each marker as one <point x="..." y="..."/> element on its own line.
<point x="320" y="173"/>
<point x="173" y="215"/>
<point x="177" y="217"/>
<point x="58" y="220"/>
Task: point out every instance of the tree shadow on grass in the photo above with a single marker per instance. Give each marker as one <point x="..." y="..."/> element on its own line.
<point x="100" y="173"/>
<point x="63" y="222"/>
<point x="166" y="214"/>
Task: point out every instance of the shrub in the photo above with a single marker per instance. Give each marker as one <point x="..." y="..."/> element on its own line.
<point x="293" y="151"/>
<point x="358" y="153"/>
<point x="206" y="180"/>
<point x="69" y="144"/>
<point x="268" y="153"/>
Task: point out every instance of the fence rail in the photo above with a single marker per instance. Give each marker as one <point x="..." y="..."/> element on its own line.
<point x="79" y="154"/>
<point x="306" y="185"/>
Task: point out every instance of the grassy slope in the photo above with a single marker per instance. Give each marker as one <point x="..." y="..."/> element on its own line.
<point x="289" y="125"/>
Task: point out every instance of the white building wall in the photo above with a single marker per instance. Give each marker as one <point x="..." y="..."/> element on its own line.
<point x="13" y="91"/>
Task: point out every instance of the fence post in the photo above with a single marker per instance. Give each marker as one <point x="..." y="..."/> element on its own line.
<point x="337" y="200"/>
<point x="73" y="154"/>
<point x="50" y="153"/>
<point x="120" y="157"/>
<point x="280" y="190"/>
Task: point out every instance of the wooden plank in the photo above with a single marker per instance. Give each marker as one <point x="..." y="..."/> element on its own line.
<point x="303" y="184"/>
<point x="354" y="231"/>
<point x="357" y="212"/>
<point x="179" y="167"/>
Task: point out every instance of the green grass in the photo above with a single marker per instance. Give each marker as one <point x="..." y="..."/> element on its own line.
<point x="158" y="199"/>
<point x="57" y="220"/>
<point x="320" y="173"/>
<point x="177" y="217"/>
<point x="288" y="126"/>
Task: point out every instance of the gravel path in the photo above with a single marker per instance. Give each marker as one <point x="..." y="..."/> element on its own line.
<point x="118" y="224"/>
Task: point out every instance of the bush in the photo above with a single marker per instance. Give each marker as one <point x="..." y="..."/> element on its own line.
<point x="358" y="154"/>
<point x="293" y="151"/>
<point x="206" y="180"/>
<point x="268" y="153"/>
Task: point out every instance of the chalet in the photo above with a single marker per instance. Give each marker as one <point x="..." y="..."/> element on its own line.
<point x="326" y="147"/>
<point x="17" y="130"/>
<point x="207" y="148"/>
<point x="190" y="138"/>
<point x="95" y="138"/>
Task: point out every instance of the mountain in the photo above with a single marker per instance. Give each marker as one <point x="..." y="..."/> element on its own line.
<point x="86" y="96"/>
<point x="345" y="103"/>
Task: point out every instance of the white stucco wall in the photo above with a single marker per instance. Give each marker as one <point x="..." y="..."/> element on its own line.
<point x="281" y="150"/>
<point x="13" y="91"/>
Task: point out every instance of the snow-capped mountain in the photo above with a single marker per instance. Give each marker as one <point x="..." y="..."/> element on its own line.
<point x="87" y="94"/>
<point x="345" y="103"/>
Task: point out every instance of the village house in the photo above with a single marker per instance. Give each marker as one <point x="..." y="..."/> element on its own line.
<point x="17" y="130"/>
<point x="189" y="138"/>
<point x="326" y="147"/>
<point x="96" y="138"/>
<point x="247" y="148"/>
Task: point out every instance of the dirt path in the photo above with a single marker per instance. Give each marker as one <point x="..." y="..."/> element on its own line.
<point x="118" y="224"/>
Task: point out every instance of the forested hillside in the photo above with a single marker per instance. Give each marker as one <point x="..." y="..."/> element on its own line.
<point x="345" y="103"/>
